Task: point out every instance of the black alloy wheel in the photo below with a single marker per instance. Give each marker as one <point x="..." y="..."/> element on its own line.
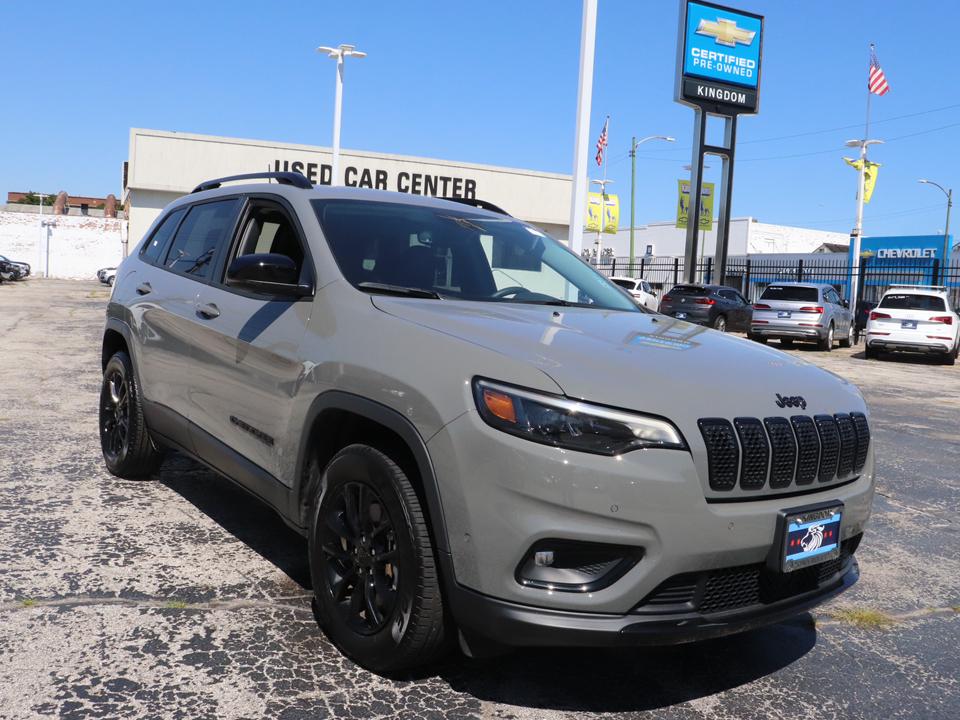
<point x="127" y="448"/>
<point x="374" y="572"/>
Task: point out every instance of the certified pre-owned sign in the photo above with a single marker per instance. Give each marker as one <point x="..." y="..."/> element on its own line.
<point x="719" y="57"/>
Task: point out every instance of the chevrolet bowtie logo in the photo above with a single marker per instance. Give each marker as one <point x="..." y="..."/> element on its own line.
<point x="726" y="32"/>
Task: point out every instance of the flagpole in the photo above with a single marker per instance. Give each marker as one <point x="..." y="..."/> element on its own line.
<point x="603" y="194"/>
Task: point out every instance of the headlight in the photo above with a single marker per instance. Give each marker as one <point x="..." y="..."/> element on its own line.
<point x="553" y="420"/>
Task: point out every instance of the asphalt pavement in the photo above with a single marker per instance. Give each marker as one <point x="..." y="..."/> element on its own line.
<point x="181" y="597"/>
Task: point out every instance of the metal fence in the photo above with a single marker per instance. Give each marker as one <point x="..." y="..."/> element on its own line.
<point x="751" y="275"/>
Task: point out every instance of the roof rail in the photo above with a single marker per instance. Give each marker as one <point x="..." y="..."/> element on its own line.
<point x="482" y="204"/>
<point x="284" y="178"/>
<point x="919" y="287"/>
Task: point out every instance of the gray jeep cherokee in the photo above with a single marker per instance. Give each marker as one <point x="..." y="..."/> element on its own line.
<point x="483" y="440"/>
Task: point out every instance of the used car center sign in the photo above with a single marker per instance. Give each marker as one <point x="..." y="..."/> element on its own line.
<point x="719" y="59"/>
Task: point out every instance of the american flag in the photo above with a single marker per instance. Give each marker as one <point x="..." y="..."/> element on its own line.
<point x="602" y="143"/>
<point x="877" y="83"/>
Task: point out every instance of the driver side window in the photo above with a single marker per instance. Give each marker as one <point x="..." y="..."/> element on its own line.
<point x="268" y="229"/>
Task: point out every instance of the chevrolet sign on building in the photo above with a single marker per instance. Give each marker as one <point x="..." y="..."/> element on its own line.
<point x="720" y="59"/>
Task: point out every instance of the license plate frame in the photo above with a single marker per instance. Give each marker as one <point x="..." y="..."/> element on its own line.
<point x="806" y="536"/>
<point x="681" y="316"/>
<point x="785" y="314"/>
<point x="908" y="325"/>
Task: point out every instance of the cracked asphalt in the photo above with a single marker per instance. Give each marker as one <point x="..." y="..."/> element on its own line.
<point x="181" y="597"/>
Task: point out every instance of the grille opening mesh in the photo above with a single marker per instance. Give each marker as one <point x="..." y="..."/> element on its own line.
<point x="777" y="452"/>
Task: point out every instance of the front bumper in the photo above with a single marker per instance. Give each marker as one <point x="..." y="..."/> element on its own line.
<point x="514" y="625"/>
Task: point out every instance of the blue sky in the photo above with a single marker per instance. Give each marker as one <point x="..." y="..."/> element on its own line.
<point x="493" y="83"/>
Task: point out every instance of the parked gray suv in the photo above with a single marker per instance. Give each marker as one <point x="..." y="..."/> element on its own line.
<point x="483" y="440"/>
<point x="809" y="312"/>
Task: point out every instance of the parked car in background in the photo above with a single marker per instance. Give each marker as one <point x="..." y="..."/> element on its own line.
<point x="639" y="289"/>
<point x="914" y="319"/>
<point x="716" y="306"/>
<point x="13" y="269"/>
<point x="809" y="312"/>
<point x="107" y="275"/>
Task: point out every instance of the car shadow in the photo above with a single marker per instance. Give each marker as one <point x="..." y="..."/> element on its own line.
<point x="239" y="513"/>
<point x="616" y="680"/>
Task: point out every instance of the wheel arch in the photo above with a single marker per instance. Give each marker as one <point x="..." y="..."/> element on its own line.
<point x="116" y="336"/>
<point x="337" y="419"/>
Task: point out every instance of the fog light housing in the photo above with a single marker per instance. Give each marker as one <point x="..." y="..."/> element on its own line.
<point x="570" y="566"/>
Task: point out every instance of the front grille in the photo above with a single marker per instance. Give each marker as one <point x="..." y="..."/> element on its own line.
<point x="752" y="454"/>
<point x="740" y="587"/>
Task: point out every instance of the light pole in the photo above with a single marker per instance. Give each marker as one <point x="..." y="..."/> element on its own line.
<point x="633" y="182"/>
<point x="946" y="232"/>
<point x="855" y="244"/>
<point x="603" y="210"/>
<point x="40" y="247"/>
<point x="339" y="53"/>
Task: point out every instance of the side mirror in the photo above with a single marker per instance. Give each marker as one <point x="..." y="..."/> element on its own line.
<point x="266" y="273"/>
<point x="845" y="303"/>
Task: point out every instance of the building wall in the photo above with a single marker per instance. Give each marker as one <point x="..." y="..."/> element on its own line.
<point x="76" y="245"/>
<point x="747" y="236"/>
<point x="165" y="166"/>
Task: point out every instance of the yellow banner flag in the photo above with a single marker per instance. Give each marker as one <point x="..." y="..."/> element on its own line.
<point x="684" y="207"/>
<point x="869" y="176"/>
<point x="611" y="214"/>
<point x="594" y="212"/>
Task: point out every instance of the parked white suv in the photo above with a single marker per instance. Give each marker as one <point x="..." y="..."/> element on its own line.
<point x="640" y="290"/>
<point x="914" y="319"/>
<point x="483" y="439"/>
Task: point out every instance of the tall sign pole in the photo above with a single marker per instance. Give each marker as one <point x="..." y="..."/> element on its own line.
<point x="578" y="199"/>
<point x="719" y="51"/>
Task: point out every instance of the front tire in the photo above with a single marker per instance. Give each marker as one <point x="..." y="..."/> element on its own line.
<point x="373" y="565"/>
<point x="127" y="448"/>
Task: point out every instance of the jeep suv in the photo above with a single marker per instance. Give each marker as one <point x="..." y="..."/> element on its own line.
<point x="482" y="439"/>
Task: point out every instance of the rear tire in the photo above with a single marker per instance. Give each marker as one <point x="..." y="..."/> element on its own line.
<point x="373" y="565"/>
<point x="720" y="323"/>
<point x="786" y="342"/>
<point x="826" y="345"/>
<point x="127" y="448"/>
<point x="757" y="338"/>
<point x="871" y="353"/>
<point x="848" y="340"/>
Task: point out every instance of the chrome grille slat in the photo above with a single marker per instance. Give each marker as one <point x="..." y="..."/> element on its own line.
<point x="751" y="454"/>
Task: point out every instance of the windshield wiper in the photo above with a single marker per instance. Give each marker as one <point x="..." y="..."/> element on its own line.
<point x="384" y="289"/>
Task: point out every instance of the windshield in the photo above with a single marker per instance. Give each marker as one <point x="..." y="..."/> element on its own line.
<point x="790" y="293"/>
<point x="913" y="302"/>
<point x="384" y="247"/>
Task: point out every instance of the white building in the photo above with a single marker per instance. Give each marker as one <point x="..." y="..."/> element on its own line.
<point x="164" y="166"/>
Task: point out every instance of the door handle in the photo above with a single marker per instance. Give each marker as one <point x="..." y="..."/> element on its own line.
<point x="208" y="310"/>
<point x="144" y="288"/>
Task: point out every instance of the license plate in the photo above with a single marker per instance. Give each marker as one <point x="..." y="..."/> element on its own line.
<point x="811" y="537"/>
<point x="909" y="325"/>
<point x="783" y="314"/>
<point x="682" y="316"/>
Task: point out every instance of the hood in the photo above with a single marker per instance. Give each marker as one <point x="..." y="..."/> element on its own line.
<point x="635" y="361"/>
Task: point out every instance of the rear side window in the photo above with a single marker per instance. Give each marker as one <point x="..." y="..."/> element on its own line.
<point x="790" y="293"/>
<point x="196" y="242"/>
<point x="913" y="302"/>
<point x="151" y="250"/>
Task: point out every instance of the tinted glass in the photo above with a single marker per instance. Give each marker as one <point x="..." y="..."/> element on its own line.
<point x="268" y="229"/>
<point x="456" y="252"/>
<point x="628" y="284"/>
<point x="151" y="250"/>
<point x="913" y="302"/>
<point x="690" y="290"/>
<point x="196" y="241"/>
<point x="790" y="293"/>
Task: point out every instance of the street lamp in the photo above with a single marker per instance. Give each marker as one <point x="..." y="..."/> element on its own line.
<point x="946" y="232"/>
<point x="633" y="182"/>
<point x="855" y="259"/>
<point x="339" y="53"/>
<point x="603" y="209"/>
